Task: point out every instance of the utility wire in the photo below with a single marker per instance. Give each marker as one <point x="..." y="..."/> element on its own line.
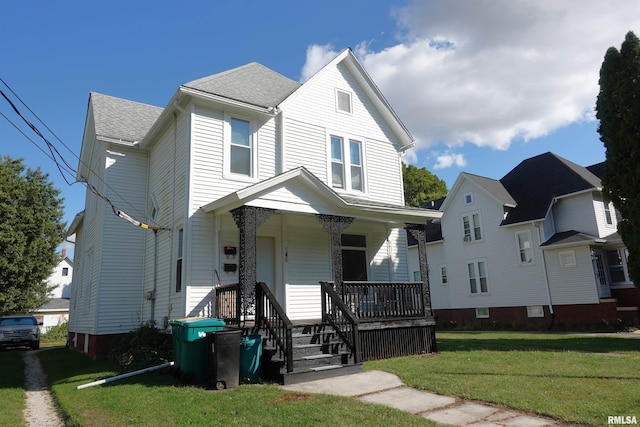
<point x="53" y="150"/>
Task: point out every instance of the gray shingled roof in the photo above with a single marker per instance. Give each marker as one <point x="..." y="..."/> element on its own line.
<point x="252" y="83"/>
<point x="122" y="119"/>
<point x="494" y="187"/>
<point x="56" y="304"/>
<point x="536" y="181"/>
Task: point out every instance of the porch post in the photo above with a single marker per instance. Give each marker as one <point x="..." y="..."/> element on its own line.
<point x="420" y="233"/>
<point x="248" y="219"/>
<point x="335" y="225"/>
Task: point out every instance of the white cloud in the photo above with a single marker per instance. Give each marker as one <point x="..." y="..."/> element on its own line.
<point x="444" y="161"/>
<point x="488" y="72"/>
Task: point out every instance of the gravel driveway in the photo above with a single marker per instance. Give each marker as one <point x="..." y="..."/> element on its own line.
<point x="40" y="409"/>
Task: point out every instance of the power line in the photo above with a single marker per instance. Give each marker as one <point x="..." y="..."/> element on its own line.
<point x="54" y="151"/>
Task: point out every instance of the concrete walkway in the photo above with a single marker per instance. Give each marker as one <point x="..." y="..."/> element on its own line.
<point x="387" y="389"/>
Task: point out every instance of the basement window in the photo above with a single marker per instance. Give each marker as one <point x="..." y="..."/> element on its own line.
<point x="482" y="313"/>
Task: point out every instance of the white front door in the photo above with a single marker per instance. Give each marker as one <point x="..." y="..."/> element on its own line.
<point x="601" y="274"/>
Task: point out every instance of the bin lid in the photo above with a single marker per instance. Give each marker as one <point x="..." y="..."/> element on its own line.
<point x="197" y="322"/>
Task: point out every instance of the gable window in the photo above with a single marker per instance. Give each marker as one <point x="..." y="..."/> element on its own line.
<point x="343" y="101"/>
<point x="65" y="271"/>
<point x="443" y="274"/>
<point x="347" y="168"/>
<point x="525" y="251"/>
<point x="179" y="261"/>
<point x="468" y="199"/>
<point x="477" y="274"/>
<point x="471" y="227"/>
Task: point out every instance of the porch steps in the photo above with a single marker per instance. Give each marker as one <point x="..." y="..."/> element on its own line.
<point x="317" y="353"/>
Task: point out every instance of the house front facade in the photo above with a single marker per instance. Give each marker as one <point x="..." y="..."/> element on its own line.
<point x="245" y="176"/>
<point x="538" y="247"/>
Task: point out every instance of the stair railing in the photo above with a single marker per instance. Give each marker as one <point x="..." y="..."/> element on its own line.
<point x="336" y="313"/>
<point x="271" y="317"/>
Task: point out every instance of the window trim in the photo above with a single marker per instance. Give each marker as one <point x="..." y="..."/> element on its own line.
<point x="444" y="280"/>
<point x="519" y="250"/>
<point x="348" y="93"/>
<point x="347" y="177"/>
<point x="478" y="277"/>
<point x="468" y="198"/>
<point x="480" y="315"/>
<point x="562" y="257"/>
<point x="253" y="146"/>
<point x="471" y="238"/>
<point x="179" y="261"/>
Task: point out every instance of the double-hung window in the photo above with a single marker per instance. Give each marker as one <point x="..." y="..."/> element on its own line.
<point x="477" y="274"/>
<point x="525" y="252"/>
<point x="240" y="147"/>
<point x="347" y="168"/>
<point x="179" y="260"/>
<point x="471" y="227"/>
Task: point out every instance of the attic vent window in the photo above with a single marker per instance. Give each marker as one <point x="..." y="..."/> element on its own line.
<point x="343" y="101"/>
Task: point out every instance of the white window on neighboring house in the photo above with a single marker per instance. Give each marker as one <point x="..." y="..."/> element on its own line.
<point x="343" y="101"/>
<point x="477" y="275"/>
<point x="346" y="163"/>
<point x="468" y="199"/>
<point x="617" y="265"/>
<point x="240" y="150"/>
<point x="471" y="227"/>
<point x="482" y="313"/>
<point x="179" y="254"/>
<point x="535" y="311"/>
<point x="65" y="271"/>
<point x="525" y="251"/>
<point x="607" y="213"/>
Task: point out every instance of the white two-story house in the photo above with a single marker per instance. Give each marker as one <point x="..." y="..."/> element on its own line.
<point x="244" y="176"/>
<point x="538" y="247"/>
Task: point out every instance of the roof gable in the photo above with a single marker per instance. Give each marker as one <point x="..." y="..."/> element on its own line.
<point x="537" y="181"/>
<point x="121" y="119"/>
<point x="493" y="188"/>
<point x="252" y="84"/>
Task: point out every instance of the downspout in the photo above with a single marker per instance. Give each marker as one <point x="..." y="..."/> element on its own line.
<point x="546" y="279"/>
<point x="155" y="275"/>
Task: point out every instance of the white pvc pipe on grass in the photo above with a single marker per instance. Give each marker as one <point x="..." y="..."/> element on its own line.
<point x="128" y="374"/>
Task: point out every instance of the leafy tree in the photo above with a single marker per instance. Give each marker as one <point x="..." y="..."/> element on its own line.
<point x="421" y="186"/>
<point x="30" y="231"/>
<point x="618" y="108"/>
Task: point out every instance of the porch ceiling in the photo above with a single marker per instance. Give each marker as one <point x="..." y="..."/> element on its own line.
<point x="315" y="197"/>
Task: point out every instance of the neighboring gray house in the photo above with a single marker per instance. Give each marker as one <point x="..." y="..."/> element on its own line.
<point x="250" y="176"/>
<point x="536" y="244"/>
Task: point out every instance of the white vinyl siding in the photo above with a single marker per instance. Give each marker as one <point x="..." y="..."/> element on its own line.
<point x="571" y="284"/>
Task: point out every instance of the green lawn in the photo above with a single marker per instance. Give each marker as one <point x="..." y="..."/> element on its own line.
<point x="12" y="393"/>
<point x="575" y="378"/>
<point x="155" y="400"/>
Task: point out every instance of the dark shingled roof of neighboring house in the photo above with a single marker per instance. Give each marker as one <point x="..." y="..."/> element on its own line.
<point x="535" y="182"/>
<point x="571" y="237"/>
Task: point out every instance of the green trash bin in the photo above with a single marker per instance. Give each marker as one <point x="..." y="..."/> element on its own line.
<point x="250" y="357"/>
<point x="190" y="345"/>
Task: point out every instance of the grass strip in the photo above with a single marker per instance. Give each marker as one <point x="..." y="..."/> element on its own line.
<point x="155" y="399"/>
<point x="12" y="393"/>
<point x="551" y="375"/>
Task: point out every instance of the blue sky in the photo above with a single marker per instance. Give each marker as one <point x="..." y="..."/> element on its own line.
<point x="481" y="85"/>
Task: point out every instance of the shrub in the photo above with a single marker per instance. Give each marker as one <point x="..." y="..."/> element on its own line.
<point x="141" y="348"/>
<point x="56" y="333"/>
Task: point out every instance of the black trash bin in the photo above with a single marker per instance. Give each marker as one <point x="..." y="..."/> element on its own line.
<point x="223" y="358"/>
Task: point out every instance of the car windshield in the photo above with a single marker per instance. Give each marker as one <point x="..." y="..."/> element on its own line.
<point x="15" y="321"/>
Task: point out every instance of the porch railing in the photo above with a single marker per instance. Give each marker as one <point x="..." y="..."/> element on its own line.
<point x="270" y="316"/>
<point x="228" y="304"/>
<point x="388" y="300"/>
<point x="342" y="320"/>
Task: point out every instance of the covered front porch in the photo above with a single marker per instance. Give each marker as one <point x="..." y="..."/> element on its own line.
<point x="309" y="259"/>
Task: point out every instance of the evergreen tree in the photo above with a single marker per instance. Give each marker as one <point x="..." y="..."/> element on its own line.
<point x="30" y="231"/>
<point x="618" y="109"/>
<point x="421" y="186"/>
